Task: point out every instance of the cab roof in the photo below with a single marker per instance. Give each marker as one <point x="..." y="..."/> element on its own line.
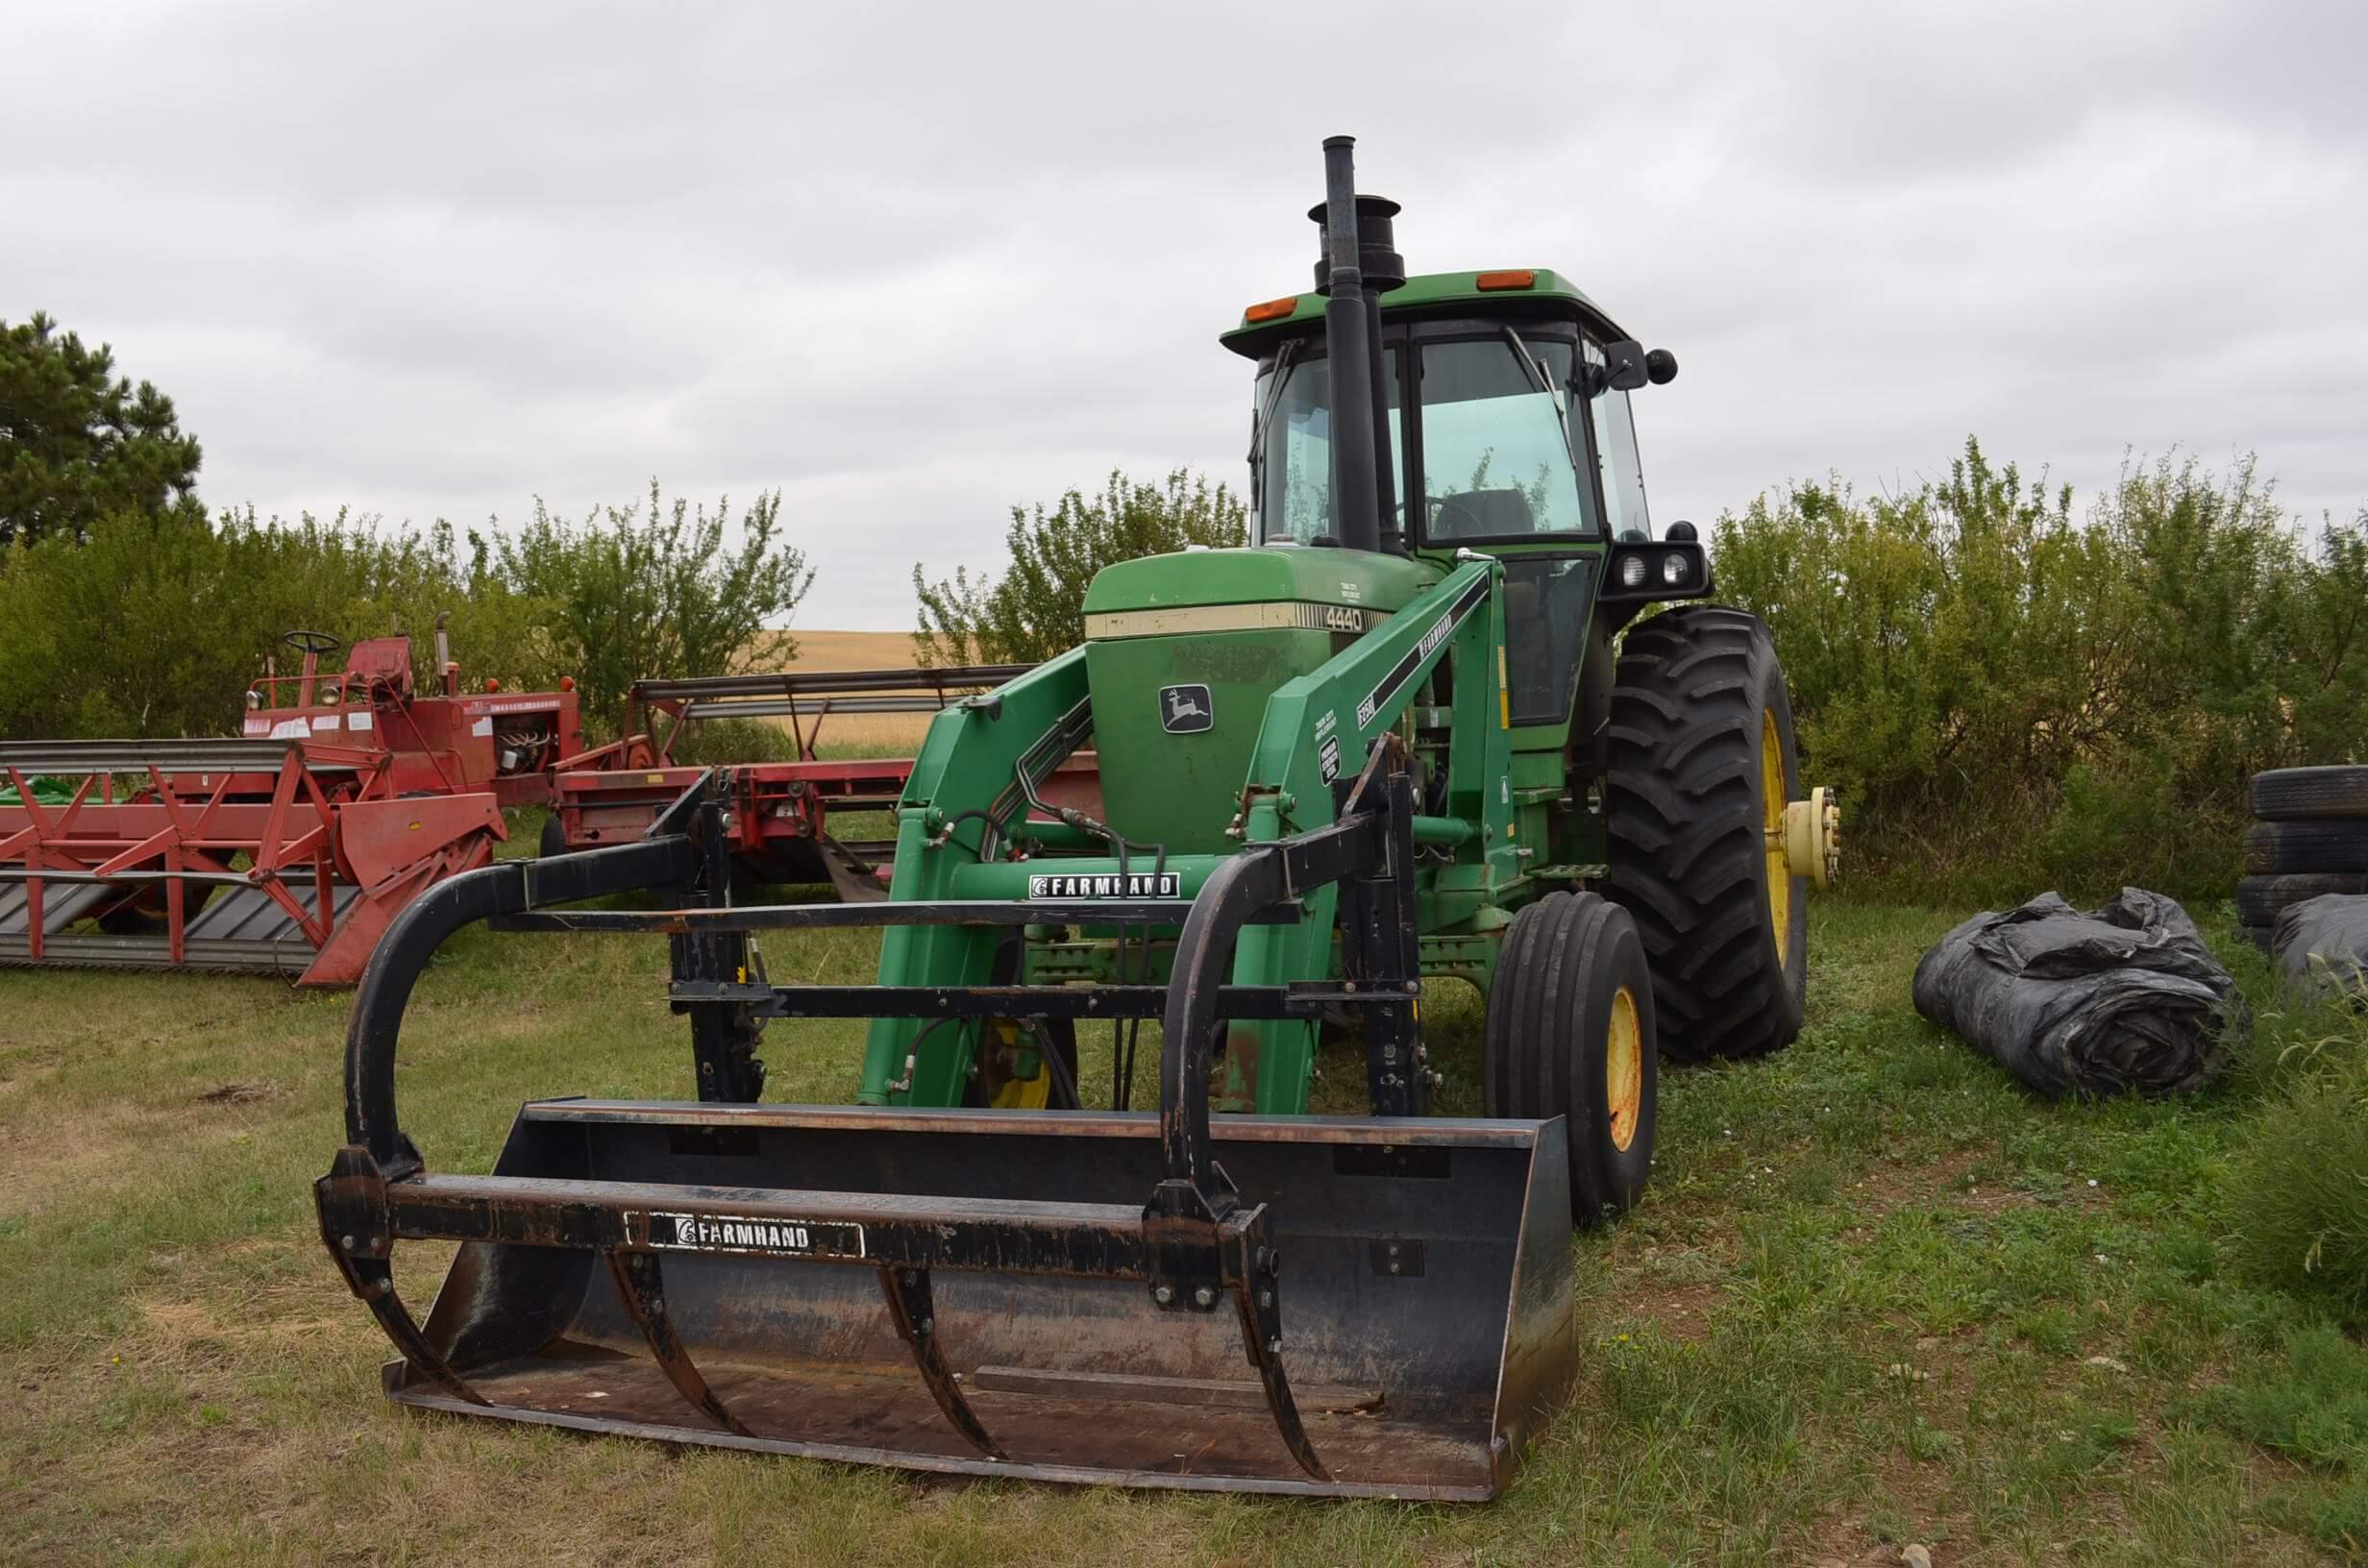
<point x="1432" y="293"/>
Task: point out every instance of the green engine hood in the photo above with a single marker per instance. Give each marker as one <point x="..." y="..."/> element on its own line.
<point x="1306" y="574"/>
<point x="1182" y="652"/>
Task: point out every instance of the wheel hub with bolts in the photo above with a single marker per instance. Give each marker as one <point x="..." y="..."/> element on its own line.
<point x="1811" y="838"/>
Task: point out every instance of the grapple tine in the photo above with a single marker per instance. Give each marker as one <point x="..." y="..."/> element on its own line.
<point x="1260" y="1305"/>
<point x="359" y="1235"/>
<point x="911" y="1309"/>
<point x="641" y="1282"/>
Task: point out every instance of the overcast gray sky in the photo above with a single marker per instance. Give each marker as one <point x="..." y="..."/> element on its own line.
<point x="911" y="264"/>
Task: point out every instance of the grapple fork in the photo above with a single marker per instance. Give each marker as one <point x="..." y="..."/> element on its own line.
<point x="970" y="1290"/>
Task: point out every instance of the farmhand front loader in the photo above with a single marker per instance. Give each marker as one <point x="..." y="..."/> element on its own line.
<point x="1387" y="742"/>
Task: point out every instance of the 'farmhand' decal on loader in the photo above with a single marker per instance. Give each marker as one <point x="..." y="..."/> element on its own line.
<point x="1133" y="885"/>
<point x="737" y="1232"/>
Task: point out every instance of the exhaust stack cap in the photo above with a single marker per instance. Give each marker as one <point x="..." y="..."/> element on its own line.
<point x="1377" y="255"/>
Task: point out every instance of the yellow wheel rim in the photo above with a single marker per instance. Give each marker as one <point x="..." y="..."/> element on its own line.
<point x="1772" y="825"/>
<point x="1623" y="1068"/>
<point x="1025" y="1093"/>
<point x="1018" y="1093"/>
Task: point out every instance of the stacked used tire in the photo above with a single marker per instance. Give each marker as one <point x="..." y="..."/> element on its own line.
<point x="2310" y="838"/>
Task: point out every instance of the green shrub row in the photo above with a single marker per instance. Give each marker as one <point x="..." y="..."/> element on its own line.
<point x="2013" y="696"/>
<point x="153" y="623"/>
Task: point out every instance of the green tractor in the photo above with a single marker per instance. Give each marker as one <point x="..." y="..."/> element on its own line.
<point x="1393" y="740"/>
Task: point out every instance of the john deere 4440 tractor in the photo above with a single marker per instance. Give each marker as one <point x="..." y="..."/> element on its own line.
<point x="1416" y="731"/>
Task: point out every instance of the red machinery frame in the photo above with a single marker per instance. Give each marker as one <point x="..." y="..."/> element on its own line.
<point x="332" y="852"/>
<point x="286" y="850"/>
<point x="438" y="743"/>
<point x="779" y="823"/>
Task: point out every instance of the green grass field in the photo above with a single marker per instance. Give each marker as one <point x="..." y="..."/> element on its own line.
<point x="1877" y="1295"/>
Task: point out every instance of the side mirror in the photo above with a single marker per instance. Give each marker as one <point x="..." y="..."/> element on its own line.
<point x="1660" y="367"/>
<point x="1625" y="364"/>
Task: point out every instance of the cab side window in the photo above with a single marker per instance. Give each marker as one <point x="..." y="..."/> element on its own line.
<point x="1615" y="456"/>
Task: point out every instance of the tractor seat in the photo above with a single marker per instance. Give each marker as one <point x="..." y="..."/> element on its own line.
<point x="1482" y="514"/>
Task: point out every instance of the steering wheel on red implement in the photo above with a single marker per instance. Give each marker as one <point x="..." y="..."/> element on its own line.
<point x="313" y="642"/>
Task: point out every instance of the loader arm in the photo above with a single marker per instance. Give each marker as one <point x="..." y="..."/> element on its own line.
<point x="960" y="805"/>
<point x="1318" y="733"/>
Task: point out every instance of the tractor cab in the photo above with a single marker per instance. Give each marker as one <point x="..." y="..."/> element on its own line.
<point x="313" y="704"/>
<point x="1505" y="395"/>
<point x="1495" y="419"/>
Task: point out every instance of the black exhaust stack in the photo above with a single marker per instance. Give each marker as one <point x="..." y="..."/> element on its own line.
<point x="1360" y="265"/>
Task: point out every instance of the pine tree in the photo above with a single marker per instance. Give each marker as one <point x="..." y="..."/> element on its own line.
<point x="78" y="442"/>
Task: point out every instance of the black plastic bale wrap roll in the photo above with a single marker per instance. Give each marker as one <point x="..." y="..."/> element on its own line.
<point x="2323" y="944"/>
<point x="2123" y="997"/>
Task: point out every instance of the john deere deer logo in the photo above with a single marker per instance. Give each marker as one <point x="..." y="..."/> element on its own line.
<point x="1184" y="710"/>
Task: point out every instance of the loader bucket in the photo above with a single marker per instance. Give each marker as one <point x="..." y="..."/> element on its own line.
<point x="1369" y="1306"/>
<point x="744" y="1276"/>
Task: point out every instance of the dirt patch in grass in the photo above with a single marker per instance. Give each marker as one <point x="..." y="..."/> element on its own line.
<point x="240" y="1093"/>
<point x="1681" y="1311"/>
<point x="74" y="1149"/>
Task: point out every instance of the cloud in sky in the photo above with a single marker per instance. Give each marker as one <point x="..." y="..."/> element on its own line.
<point x="912" y="265"/>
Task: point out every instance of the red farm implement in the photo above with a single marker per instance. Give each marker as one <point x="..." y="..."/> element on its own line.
<point x="777" y="826"/>
<point x="446" y="741"/>
<point x="286" y="850"/>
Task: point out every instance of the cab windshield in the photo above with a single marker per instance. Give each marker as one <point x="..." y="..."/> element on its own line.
<point x="1497" y="438"/>
<point x="1292" y="453"/>
<point x="1497" y="441"/>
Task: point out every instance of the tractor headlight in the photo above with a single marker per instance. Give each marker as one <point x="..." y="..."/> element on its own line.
<point x="1673" y="569"/>
<point x="1632" y="571"/>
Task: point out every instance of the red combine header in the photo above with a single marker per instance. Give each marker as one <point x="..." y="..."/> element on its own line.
<point x="779" y="823"/>
<point x="287" y="850"/>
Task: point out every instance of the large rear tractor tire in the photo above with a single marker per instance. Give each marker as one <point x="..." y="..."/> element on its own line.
<point x="1570" y="1034"/>
<point x="1700" y="765"/>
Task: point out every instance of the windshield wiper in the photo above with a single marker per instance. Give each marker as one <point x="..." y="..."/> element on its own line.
<point x="1545" y="385"/>
<point x="1283" y="358"/>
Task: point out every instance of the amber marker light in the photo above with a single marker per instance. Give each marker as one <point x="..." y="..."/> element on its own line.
<point x="1518" y="277"/>
<point x="1271" y="310"/>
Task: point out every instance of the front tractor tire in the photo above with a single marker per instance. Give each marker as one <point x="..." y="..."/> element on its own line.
<point x="1699" y="767"/>
<point x="1570" y="1034"/>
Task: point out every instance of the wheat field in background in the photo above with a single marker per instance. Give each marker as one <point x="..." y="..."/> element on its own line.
<point x="850" y="734"/>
